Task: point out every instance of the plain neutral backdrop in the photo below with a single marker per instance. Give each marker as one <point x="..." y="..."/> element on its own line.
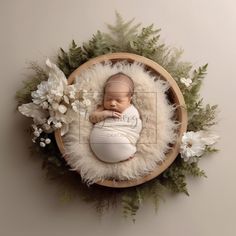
<point x="34" y="30"/>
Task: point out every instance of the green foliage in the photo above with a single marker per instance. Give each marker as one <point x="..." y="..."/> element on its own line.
<point x="97" y="46"/>
<point x="171" y="61"/>
<point x="191" y="95"/>
<point x="23" y="95"/>
<point x="209" y="150"/>
<point x="126" y="37"/>
<point x="145" y="43"/>
<point x="121" y="34"/>
<point x="201" y="118"/>
<point x="133" y="198"/>
<point x="131" y="203"/>
<point x="69" y="61"/>
<point x="174" y="177"/>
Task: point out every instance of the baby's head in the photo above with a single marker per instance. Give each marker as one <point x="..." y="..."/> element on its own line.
<point x="118" y="92"/>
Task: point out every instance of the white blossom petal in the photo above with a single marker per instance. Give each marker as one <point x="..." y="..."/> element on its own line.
<point x="66" y="99"/>
<point x="86" y="102"/>
<point x="62" y="109"/>
<point x="42" y="144"/>
<point x="55" y="72"/>
<point x="32" y="110"/>
<point x="58" y="125"/>
<point x="192" y="146"/>
<point x="209" y="138"/>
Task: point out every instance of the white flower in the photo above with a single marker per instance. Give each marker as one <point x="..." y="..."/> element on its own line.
<point x="56" y="77"/>
<point x="47" y="128"/>
<point x="58" y="125"/>
<point x="66" y="99"/>
<point x="47" y="140"/>
<point x="186" y="82"/>
<point x="38" y="114"/>
<point x="55" y="106"/>
<point x="192" y="146"/>
<point x="40" y="95"/>
<point x="75" y="105"/>
<point x="208" y="138"/>
<point x="86" y="102"/>
<point x="44" y="105"/>
<point x="81" y="107"/>
<point x="52" y="89"/>
<point x="71" y="91"/>
<point x="42" y="144"/>
<point x="36" y="133"/>
<point x="62" y="109"/>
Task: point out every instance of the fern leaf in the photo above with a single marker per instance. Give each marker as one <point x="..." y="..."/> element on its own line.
<point x="145" y="43"/>
<point x="69" y="61"/>
<point x="121" y="33"/>
<point x="97" y="46"/>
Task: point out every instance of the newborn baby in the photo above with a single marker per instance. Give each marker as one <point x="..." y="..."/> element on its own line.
<point x="117" y="123"/>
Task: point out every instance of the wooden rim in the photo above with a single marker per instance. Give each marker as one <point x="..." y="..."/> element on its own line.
<point x="181" y="113"/>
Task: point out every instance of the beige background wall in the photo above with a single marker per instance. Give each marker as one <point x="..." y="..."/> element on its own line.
<point x="34" y="30"/>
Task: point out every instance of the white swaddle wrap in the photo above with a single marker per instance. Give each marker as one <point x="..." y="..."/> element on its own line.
<point x="114" y="139"/>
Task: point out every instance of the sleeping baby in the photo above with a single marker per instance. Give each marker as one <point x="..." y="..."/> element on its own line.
<point x="117" y="123"/>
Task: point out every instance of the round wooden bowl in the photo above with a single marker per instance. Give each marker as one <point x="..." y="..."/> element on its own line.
<point x="174" y="95"/>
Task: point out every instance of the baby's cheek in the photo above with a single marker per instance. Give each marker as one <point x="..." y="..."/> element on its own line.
<point x="105" y="104"/>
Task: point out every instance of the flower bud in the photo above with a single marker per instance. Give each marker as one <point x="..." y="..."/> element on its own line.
<point x="36" y="133"/>
<point x="58" y="125"/>
<point x="62" y="109"/>
<point x="42" y="144"/>
<point x="55" y="105"/>
<point x="47" y="140"/>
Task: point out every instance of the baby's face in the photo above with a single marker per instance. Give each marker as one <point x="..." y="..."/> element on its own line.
<point x="117" y="97"/>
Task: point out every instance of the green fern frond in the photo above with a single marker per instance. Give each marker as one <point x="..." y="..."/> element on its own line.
<point x="174" y="178"/>
<point x="209" y="150"/>
<point x="23" y="95"/>
<point x="200" y="117"/>
<point x="97" y="46"/>
<point x="170" y="59"/>
<point x="121" y="33"/>
<point x="193" y="169"/>
<point x="145" y="43"/>
<point x="192" y="94"/>
<point x="154" y="191"/>
<point x="71" y="60"/>
<point x="200" y="73"/>
<point x="131" y="204"/>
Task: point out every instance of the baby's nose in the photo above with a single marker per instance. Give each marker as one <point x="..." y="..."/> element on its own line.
<point x="113" y="103"/>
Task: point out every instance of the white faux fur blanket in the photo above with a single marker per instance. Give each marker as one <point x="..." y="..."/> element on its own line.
<point x="114" y="139"/>
<point x="157" y="134"/>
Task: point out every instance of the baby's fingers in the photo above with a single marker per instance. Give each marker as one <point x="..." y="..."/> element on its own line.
<point x="116" y="114"/>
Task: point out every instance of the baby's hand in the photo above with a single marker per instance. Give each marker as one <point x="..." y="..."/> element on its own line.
<point x="116" y="114"/>
<point x="109" y="113"/>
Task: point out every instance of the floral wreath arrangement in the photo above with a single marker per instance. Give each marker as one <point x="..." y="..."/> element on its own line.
<point x="53" y="103"/>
